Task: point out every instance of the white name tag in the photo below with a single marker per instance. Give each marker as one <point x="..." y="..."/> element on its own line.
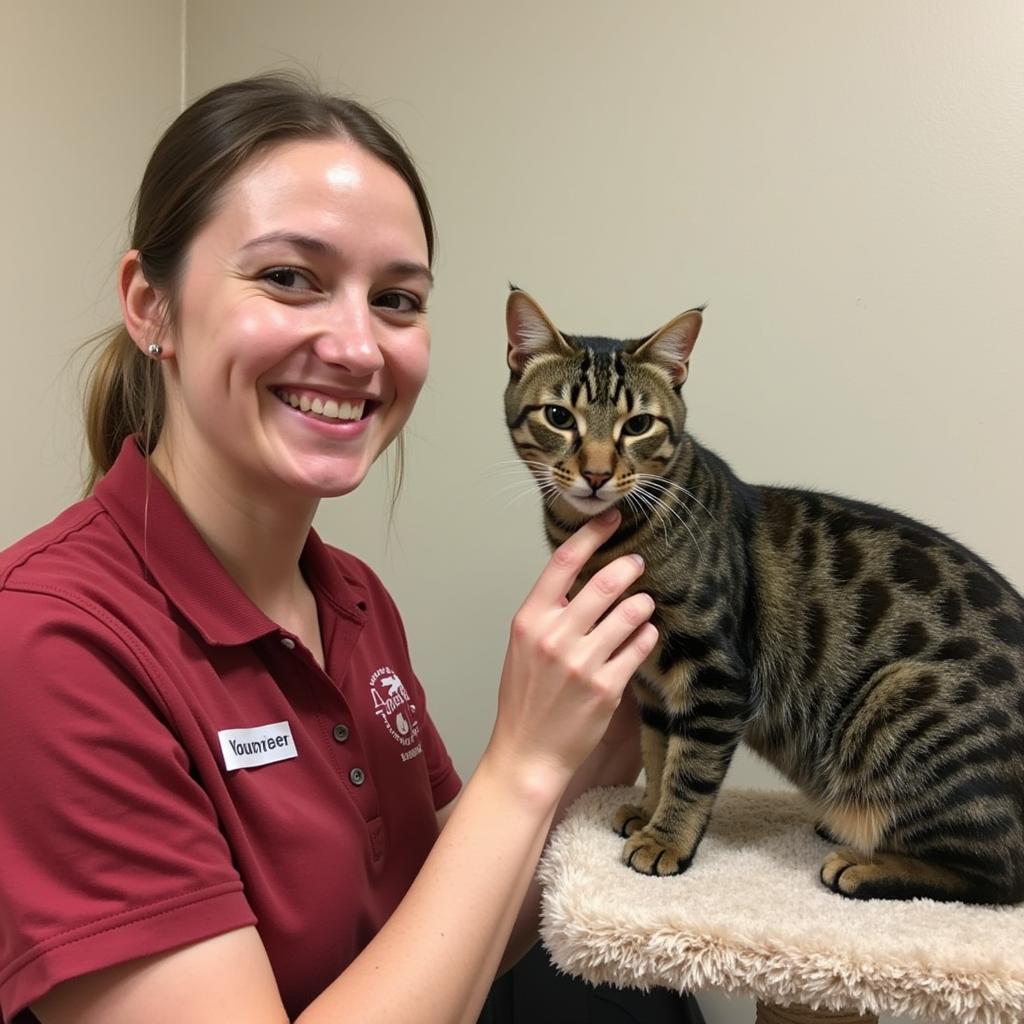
<point x="248" y="748"/>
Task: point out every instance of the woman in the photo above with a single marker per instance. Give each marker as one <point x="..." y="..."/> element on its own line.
<point x="221" y="792"/>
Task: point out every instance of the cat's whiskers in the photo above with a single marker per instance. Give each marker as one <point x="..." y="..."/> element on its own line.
<point x="538" y="477"/>
<point x="646" y="511"/>
<point x="521" y="486"/>
<point x="541" y="472"/>
<point x="518" y="461"/>
<point x="679" y="487"/>
<point x="515" y="466"/>
<point x="660" y="501"/>
<point x="665" y="482"/>
<point x="655" y="511"/>
<point x="670" y="510"/>
<point x="547" y="489"/>
<point x="679" y="505"/>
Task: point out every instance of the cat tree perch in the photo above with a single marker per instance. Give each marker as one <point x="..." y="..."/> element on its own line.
<point x="750" y="917"/>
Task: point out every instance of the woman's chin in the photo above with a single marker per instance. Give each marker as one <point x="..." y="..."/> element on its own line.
<point x="324" y="477"/>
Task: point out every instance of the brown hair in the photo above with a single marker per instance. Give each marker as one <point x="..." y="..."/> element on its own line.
<point x="194" y="161"/>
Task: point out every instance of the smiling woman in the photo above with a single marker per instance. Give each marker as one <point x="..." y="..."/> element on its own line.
<point x="220" y="816"/>
<point x="191" y="166"/>
<point x="309" y="281"/>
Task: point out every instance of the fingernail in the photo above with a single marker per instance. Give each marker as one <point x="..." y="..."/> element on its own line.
<point x="637" y="558"/>
<point x="609" y="515"/>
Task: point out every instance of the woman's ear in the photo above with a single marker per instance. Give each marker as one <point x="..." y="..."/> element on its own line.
<point x="143" y="308"/>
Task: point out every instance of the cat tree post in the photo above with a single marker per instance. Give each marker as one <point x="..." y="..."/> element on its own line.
<point x="751" y="918"/>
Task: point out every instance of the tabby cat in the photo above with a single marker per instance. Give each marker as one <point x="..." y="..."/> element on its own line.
<point x="877" y="663"/>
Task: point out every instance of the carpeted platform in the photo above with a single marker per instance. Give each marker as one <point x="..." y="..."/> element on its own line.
<point x="750" y="917"/>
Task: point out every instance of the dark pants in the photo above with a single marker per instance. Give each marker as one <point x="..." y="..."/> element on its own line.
<point x="534" y="992"/>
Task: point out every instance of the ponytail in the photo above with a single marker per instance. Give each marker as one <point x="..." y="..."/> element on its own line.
<point x="124" y="396"/>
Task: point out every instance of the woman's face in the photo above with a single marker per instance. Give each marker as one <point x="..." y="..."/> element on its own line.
<point x="300" y="340"/>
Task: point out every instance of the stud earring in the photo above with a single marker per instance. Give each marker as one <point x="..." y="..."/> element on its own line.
<point x="155" y="350"/>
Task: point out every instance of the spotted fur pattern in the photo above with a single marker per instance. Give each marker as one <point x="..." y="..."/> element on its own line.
<point x="877" y="663"/>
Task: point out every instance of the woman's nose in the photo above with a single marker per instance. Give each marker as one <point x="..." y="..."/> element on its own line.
<point x="347" y="338"/>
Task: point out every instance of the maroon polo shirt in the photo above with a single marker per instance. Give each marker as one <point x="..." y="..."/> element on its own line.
<point x="173" y="765"/>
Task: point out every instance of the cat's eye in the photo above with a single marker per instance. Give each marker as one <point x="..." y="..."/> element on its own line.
<point x="559" y="417"/>
<point x="637" y="425"/>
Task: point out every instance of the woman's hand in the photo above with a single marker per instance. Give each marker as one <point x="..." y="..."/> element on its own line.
<point x="569" y="661"/>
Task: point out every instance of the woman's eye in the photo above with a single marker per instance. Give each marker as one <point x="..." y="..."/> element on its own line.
<point x="559" y="417"/>
<point x="289" y="279"/>
<point x="400" y="302"/>
<point x="636" y="425"/>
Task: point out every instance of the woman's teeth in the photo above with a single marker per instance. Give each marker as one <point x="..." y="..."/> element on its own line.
<point x="329" y="408"/>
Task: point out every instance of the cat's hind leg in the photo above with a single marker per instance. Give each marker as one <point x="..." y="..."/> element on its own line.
<point x="927" y="788"/>
<point x="891" y="876"/>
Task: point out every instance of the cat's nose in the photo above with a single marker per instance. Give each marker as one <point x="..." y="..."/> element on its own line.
<point x="596" y="480"/>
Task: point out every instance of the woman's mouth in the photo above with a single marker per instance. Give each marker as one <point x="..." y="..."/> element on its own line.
<point x="327" y="410"/>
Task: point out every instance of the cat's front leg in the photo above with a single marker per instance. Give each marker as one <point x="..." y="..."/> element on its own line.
<point x="696" y="760"/>
<point x="630" y="818"/>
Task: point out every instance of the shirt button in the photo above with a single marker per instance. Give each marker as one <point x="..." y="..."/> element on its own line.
<point x="341" y="732"/>
<point x="357" y="776"/>
<point x="288" y="643"/>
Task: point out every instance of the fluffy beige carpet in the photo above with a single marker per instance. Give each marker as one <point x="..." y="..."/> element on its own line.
<point x="750" y="917"/>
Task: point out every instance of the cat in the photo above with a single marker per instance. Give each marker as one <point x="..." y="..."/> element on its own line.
<point x="874" y="661"/>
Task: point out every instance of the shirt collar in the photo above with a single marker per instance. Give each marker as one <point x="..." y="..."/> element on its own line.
<point x="188" y="572"/>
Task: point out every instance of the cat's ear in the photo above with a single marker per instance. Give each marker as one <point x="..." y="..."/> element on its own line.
<point x="530" y="332"/>
<point x="669" y="347"/>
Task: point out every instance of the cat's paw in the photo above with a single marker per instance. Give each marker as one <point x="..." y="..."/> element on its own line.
<point x="834" y="866"/>
<point x="649" y="855"/>
<point x="629" y="818"/>
<point x="847" y="873"/>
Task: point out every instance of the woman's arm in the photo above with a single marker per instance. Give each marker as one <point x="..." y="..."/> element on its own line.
<point x="435" y="958"/>
<point x="615" y="761"/>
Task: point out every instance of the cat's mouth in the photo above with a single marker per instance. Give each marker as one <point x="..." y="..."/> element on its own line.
<point x="590" y="505"/>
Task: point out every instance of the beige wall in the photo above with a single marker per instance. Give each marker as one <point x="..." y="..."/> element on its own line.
<point x="842" y="182"/>
<point x="87" y="88"/>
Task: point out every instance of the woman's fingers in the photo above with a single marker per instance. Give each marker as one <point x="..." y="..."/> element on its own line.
<point x="601" y="592"/>
<point x="568" y="661"/>
<point x="586" y="623"/>
<point x="618" y="626"/>
<point x="621" y="666"/>
<point x="569" y="558"/>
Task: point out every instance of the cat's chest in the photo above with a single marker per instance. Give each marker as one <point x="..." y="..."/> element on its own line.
<point x="690" y="596"/>
<point x="694" y="617"/>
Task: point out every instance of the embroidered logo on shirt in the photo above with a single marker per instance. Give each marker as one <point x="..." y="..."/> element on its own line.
<point x="264" y="744"/>
<point x="393" y="706"/>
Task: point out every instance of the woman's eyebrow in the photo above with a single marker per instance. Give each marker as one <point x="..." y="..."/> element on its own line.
<point x="321" y="247"/>
<point x="411" y="268"/>
<point x="294" y="238"/>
